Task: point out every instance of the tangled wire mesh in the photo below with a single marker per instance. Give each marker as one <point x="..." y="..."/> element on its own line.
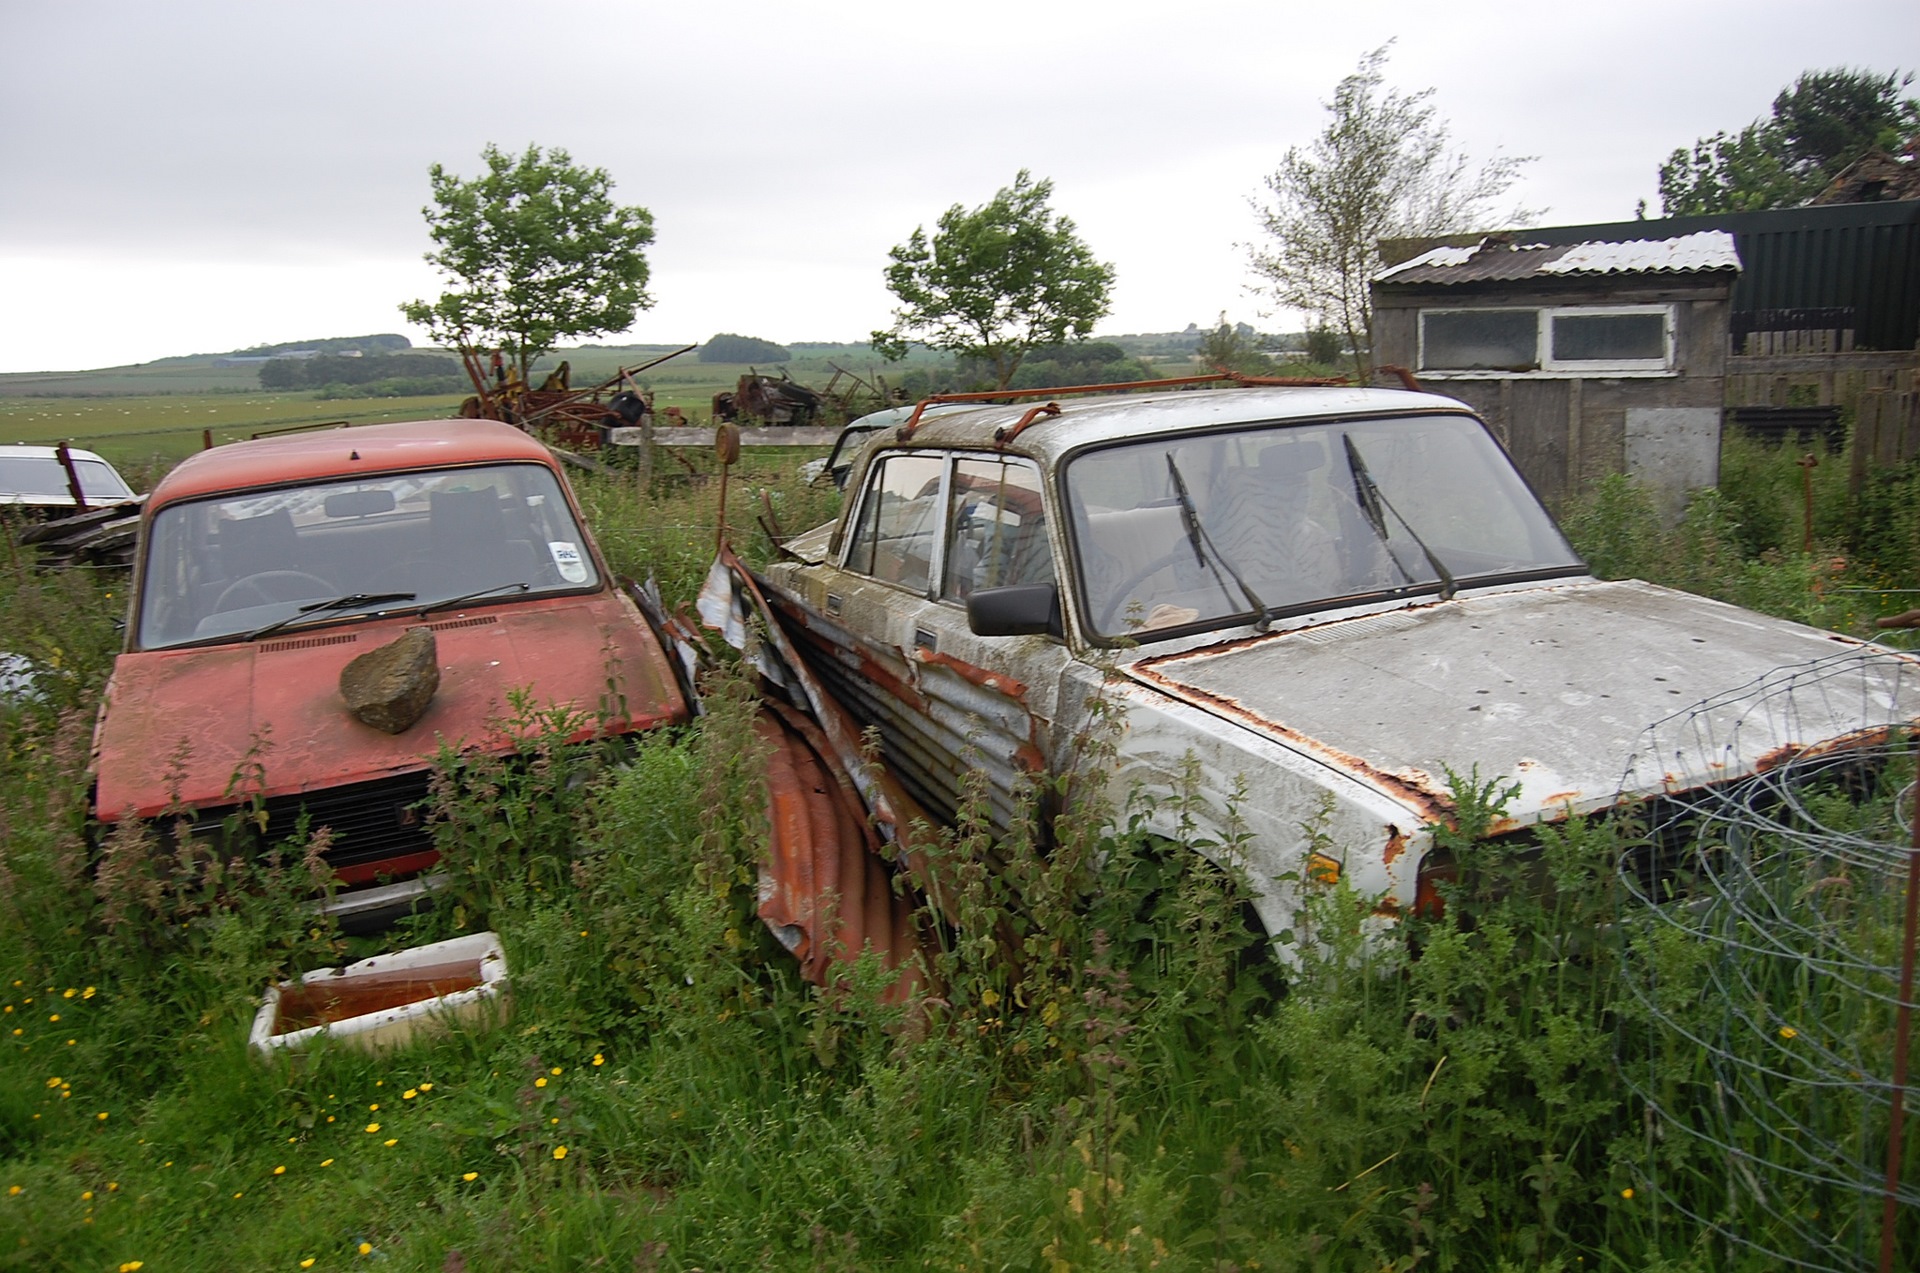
<point x="1763" y="928"/>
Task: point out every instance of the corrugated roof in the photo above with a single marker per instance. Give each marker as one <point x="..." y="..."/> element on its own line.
<point x="1500" y="260"/>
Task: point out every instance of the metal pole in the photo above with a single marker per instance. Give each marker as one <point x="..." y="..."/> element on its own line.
<point x="65" y="457"/>
<point x="1903" y="1025"/>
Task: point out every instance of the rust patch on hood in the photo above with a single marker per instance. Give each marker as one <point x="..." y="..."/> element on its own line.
<point x="1787" y="753"/>
<point x="1432" y="805"/>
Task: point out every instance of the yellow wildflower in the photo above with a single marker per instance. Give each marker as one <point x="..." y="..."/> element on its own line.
<point x="372" y="1128"/>
<point x="13" y="1191"/>
<point x="102" y="1116"/>
<point x="1788" y="1032"/>
<point x="87" y="1196"/>
<point x="326" y="1162"/>
<point x="366" y="1248"/>
<point x="555" y="1071"/>
<point x="374" y="1106"/>
<point x="307" y="1263"/>
<point x="471" y="1176"/>
<point x="392" y="1143"/>
<point x="54" y="1081"/>
<point x="540" y="1082"/>
<point x="54" y="1017"/>
<point x="426" y="1087"/>
<point x="280" y="1171"/>
<point x="409" y="1094"/>
<point x="88" y="993"/>
<point x="560" y="1151"/>
<point x="598" y="1059"/>
<point x="1626" y="1193"/>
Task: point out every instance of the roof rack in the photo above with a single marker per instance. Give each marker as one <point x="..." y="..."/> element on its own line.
<point x="1005" y="435"/>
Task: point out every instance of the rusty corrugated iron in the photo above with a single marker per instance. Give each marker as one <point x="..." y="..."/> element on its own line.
<point x="825" y="890"/>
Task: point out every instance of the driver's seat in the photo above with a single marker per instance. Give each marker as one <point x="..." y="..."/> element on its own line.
<point x="253" y="545"/>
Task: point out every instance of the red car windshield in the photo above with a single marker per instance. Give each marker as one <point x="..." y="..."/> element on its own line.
<point x="222" y="568"/>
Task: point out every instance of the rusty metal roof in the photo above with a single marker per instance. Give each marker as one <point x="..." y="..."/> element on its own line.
<point x="331" y="453"/>
<point x="1499" y="259"/>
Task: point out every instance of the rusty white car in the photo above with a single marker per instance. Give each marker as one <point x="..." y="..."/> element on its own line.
<point x="1310" y="602"/>
<point x="266" y="568"/>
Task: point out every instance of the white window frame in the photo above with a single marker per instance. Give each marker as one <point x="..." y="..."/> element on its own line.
<point x="1546" y="367"/>
<point x="1659" y="366"/>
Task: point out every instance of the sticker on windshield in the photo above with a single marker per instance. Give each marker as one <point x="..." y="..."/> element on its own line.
<point x="567" y="557"/>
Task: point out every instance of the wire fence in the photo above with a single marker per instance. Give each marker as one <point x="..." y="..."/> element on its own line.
<point x="1764" y="930"/>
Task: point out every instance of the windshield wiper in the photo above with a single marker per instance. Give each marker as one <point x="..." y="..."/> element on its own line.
<point x="469" y="596"/>
<point x="1372" y="501"/>
<point x="1197" y="534"/>
<point x="352" y="601"/>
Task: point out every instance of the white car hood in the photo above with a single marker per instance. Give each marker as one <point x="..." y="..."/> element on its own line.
<point x="1555" y="687"/>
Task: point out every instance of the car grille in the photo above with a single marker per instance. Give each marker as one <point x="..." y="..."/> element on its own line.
<point x="372" y="822"/>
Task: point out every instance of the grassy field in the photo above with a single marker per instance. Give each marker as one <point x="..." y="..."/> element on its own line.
<point x="141" y="424"/>
<point x="1123" y="1093"/>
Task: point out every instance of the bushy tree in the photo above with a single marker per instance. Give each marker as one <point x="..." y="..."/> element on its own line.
<point x="536" y="251"/>
<point x="994" y="282"/>
<point x="1382" y="168"/>
<point x="1821" y="123"/>
<point x="1233" y="347"/>
<point x="727" y="347"/>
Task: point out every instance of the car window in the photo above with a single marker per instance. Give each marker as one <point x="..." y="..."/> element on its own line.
<point x="996" y="527"/>
<point x="1177" y="534"/>
<point x="899" y="524"/>
<point x="230" y="565"/>
<point x="42" y="477"/>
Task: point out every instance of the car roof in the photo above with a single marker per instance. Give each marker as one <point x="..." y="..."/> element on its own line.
<point x="26" y="451"/>
<point x="336" y="453"/>
<point x="1086" y="420"/>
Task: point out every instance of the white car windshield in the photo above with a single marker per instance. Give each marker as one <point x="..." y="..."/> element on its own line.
<point x="229" y="567"/>
<point x="1179" y="534"/>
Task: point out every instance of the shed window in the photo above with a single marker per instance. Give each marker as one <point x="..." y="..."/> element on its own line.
<point x="1480" y="339"/>
<point x="1631" y="336"/>
<point x="1598" y="340"/>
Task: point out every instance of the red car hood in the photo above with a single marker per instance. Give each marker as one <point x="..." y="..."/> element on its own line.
<point x="177" y="725"/>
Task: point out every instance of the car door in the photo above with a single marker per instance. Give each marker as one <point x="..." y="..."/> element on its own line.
<point x="930" y="527"/>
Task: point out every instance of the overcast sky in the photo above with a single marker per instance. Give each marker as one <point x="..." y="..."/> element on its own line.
<point x="198" y="176"/>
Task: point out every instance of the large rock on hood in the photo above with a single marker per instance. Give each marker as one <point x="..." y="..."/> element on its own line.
<point x="389" y="688"/>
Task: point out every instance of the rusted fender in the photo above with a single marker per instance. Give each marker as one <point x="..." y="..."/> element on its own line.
<point x="825" y="892"/>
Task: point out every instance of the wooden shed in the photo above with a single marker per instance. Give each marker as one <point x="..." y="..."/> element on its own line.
<point x="1587" y="359"/>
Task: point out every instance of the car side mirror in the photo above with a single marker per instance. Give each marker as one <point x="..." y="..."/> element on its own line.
<point x="1018" y="609"/>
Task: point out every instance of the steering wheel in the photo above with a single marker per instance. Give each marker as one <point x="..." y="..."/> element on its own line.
<point x="269" y="586"/>
<point x="1134" y="580"/>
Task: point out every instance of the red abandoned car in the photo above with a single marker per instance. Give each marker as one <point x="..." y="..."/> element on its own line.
<point x="267" y="567"/>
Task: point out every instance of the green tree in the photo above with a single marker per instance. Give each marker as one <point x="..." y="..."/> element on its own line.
<point x="1382" y="168"/>
<point x="536" y="251"/>
<point x="993" y="283"/>
<point x="1233" y="347"/>
<point x="1821" y="123"/>
<point x="727" y="347"/>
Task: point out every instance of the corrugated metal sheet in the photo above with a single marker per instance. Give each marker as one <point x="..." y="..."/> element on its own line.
<point x="1495" y="260"/>
<point x="1862" y="256"/>
<point x="1688" y="254"/>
